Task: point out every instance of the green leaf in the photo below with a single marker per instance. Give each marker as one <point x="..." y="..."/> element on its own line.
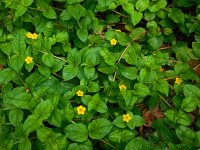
<point x="69" y="112"/>
<point x="160" y="4"/>
<point x="136" y="17"/>
<point x="58" y="65"/>
<point x="99" y="128"/>
<point x="137" y="32"/>
<point x="96" y="104"/>
<point x="6" y="75"/>
<point x="16" y="62"/>
<point x="177" y="15"/>
<point x="93" y="87"/>
<point x="147" y="75"/>
<point x="89" y="72"/>
<point x="138" y="144"/>
<point x="189" y="104"/>
<point x="191" y="90"/>
<point x="129" y="72"/>
<point x="43" y="133"/>
<point x="50" y="139"/>
<point x="123" y="38"/>
<point x="128" y="7"/>
<point x="82" y="34"/>
<point x="77" y="132"/>
<point x="16" y="116"/>
<point x="73" y="1"/>
<point x="106" y="69"/>
<point x="19" y="98"/>
<point x="91" y="57"/>
<point x="142" y="5"/>
<point x="170" y="114"/>
<point x="48" y="59"/>
<point x="69" y="72"/>
<point x="131" y="55"/>
<point x="65" y="15"/>
<point x="196" y="49"/>
<point x="77" y="11"/>
<point x="118" y="122"/>
<point x="44" y="70"/>
<point x="43" y="110"/>
<point x="20" y="10"/>
<point x="27" y="2"/>
<point x="6" y="47"/>
<point x="56" y="118"/>
<point x="184" y="118"/>
<point x="162" y="86"/>
<point x="50" y="13"/>
<point x="185" y="134"/>
<point x="109" y="58"/>
<point x="181" y="67"/>
<point x="136" y="121"/>
<point x="182" y="53"/>
<point x="24" y="144"/>
<point x="101" y="107"/>
<point x="87" y="145"/>
<point x="74" y="58"/>
<point x="141" y="89"/>
<point x="179" y="117"/>
<point x="156" y="42"/>
<point x="118" y="136"/>
<point x="129" y="98"/>
<point x="62" y="37"/>
<point x="19" y="47"/>
<point x="31" y="124"/>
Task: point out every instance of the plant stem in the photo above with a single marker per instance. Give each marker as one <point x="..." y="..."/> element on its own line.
<point x="107" y="143"/>
<point x="196" y="67"/>
<point x="53" y="56"/>
<point x="170" y="78"/>
<point x="166" y="102"/>
<point x="125" y="50"/>
<point x="120" y="14"/>
<point x="163" y="48"/>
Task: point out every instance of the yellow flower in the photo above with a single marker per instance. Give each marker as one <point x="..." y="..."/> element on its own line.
<point x="79" y="93"/>
<point x="122" y="87"/>
<point x="113" y="42"/>
<point x="29" y="60"/>
<point x="34" y="36"/>
<point x="27" y="90"/>
<point x="118" y="30"/>
<point x="162" y="69"/>
<point x="178" y="81"/>
<point x="126" y="117"/>
<point x="31" y="36"/>
<point x="81" y="110"/>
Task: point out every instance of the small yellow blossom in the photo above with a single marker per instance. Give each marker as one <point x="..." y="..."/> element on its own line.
<point x="126" y="117"/>
<point x="178" y="81"/>
<point x="118" y="30"/>
<point x="29" y="60"/>
<point x="34" y="36"/>
<point x="122" y="87"/>
<point x="113" y="42"/>
<point x="79" y="93"/>
<point x="162" y="69"/>
<point x="31" y="36"/>
<point x="27" y="90"/>
<point x="81" y="110"/>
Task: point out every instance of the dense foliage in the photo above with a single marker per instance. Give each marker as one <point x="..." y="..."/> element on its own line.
<point x="99" y="74"/>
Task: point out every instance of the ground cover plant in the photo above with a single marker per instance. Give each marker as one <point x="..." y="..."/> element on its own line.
<point x="99" y="74"/>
